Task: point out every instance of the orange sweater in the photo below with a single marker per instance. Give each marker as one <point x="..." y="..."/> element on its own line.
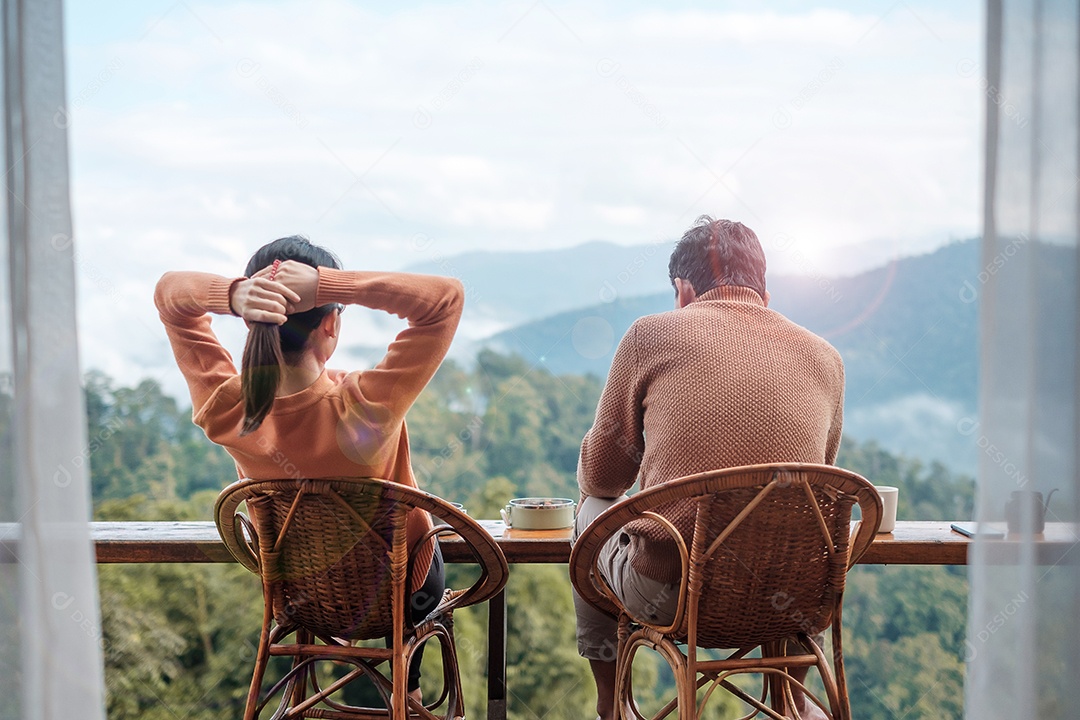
<point x="720" y="383"/>
<point x="345" y="424"/>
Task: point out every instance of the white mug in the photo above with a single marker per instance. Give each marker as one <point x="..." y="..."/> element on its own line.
<point x="888" y="495"/>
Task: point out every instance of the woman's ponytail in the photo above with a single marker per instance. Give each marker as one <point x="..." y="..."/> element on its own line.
<point x="260" y="373"/>
<point x="269" y="346"/>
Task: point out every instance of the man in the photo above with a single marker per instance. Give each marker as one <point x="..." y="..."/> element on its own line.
<point x="719" y="382"/>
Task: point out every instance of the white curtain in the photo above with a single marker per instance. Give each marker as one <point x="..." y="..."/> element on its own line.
<point x="50" y="628"/>
<point x="1023" y="646"/>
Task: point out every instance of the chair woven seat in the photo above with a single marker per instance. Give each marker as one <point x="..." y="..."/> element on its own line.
<point x="764" y="568"/>
<point x="334" y="563"/>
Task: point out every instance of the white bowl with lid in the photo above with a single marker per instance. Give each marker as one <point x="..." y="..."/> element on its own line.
<point x="538" y="513"/>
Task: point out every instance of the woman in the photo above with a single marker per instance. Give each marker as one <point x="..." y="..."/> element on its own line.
<point x="285" y="414"/>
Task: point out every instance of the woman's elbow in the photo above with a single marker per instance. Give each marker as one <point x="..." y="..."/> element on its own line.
<point x="161" y="290"/>
<point x="457" y="290"/>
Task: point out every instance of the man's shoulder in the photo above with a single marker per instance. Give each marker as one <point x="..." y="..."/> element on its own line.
<point x="807" y="338"/>
<point x="748" y="318"/>
<point x="656" y="320"/>
<point x="662" y="327"/>
<point x="750" y="321"/>
<point x="797" y="330"/>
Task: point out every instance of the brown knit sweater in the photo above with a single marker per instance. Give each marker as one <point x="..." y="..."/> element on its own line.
<point x="720" y="383"/>
<point x="343" y="425"/>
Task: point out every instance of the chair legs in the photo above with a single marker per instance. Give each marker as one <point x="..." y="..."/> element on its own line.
<point x="262" y="658"/>
<point x="777" y="699"/>
<point x="301" y="693"/>
<point x="686" y="689"/>
<point x="451" y="692"/>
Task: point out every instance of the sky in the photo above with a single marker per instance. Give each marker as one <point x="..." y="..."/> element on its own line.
<point x="397" y="132"/>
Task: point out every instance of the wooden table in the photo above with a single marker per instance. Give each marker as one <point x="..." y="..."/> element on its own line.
<point x="912" y="543"/>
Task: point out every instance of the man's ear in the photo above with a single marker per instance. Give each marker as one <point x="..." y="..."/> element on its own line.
<point x="684" y="293"/>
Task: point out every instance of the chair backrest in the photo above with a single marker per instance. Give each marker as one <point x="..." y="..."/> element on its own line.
<point x="769" y="553"/>
<point x="332" y="553"/>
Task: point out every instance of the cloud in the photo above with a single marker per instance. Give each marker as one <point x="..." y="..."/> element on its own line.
<point x="621" y="215"/>
<point x="917" y="425"/>
<point x="819" y="26"/>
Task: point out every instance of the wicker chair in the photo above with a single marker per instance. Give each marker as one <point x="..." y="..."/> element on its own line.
<point x="765" y="568"/>
<point x="335" y="568"/>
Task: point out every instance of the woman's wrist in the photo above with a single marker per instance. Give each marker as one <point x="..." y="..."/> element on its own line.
<point x="232" y="291"/>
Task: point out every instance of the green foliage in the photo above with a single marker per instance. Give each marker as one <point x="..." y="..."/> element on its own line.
<point x="501" y="419"/>
<point x="914" y="677"/>
<point x="139" y="442"/>
<point x="926" y="493"/>
<point x="487" y="501"/>
<point x="545" y="676"/>
<point x="179" y="639"/>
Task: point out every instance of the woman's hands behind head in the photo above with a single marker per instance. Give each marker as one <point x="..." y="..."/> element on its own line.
<point x="302" y="280"/>
<point x="260" y="299"/>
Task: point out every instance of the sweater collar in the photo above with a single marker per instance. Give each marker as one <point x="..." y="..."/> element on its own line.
<point x="732" y="293"/>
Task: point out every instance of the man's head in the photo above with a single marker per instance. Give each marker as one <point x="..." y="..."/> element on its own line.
<point x="718" y="252"/>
